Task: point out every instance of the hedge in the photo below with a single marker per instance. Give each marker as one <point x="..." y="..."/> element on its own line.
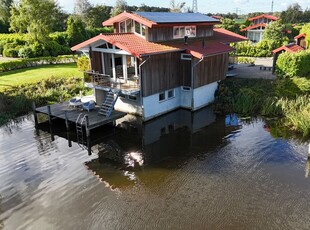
<point x="31" y="62"/>
<point x="294" y="64"/>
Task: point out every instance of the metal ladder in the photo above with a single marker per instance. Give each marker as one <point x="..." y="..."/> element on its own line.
<point x="108" y="104"/>
<point x="79" y="130"/>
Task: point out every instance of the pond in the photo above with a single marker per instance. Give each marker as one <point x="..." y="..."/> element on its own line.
<point x="181" y="171"/>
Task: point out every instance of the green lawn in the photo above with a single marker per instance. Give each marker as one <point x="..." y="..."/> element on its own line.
<point x="35" y="74"/>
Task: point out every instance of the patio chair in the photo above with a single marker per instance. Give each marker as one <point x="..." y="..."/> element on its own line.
<point x="74" y="101"/>
<point x="90" y="105"/>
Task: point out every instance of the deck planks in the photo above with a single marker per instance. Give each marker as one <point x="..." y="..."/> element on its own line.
<point x="95" y="120"/>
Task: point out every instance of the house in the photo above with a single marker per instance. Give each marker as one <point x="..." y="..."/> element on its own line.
<point x="254" y="32"/>
<point x="301" y="40"/>
<point x="156" y="62"/>
<point x="299" y="45"/>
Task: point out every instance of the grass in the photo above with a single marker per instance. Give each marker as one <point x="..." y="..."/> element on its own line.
<point x="35" y="74"/>
<point x="288" y="99"/>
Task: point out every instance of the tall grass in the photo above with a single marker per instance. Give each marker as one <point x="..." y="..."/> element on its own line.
<point x="17" y="100"/>
<point x="288" y="99"/>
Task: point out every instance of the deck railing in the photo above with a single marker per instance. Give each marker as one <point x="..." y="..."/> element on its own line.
<point x="105" y="80"/>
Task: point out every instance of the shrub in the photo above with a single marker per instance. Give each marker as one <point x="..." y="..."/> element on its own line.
<point x="293" y="64"/>
<point x="83" y="63"/>
<point x="11" y="52"/>
<point x="25" y="52"/>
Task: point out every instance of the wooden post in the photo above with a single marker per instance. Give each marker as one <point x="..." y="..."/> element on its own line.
<point x="88" y="146"/>
<point x="67" y="122"/>
<point x="86" y="126"/>
<point x="69" y="139"/>
<point x="34" y="114"/>
<point x="49" y="114"/>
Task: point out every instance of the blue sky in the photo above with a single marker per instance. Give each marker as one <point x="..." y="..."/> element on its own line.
<point x="206" y="6"/>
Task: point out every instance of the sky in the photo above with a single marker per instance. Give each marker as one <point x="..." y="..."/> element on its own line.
<point x="207" y="6"/>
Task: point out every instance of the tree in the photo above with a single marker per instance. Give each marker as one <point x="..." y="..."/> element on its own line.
<point x="274" y="32"/>
<point x="59" y="20"/>
<point x="81" y="7"/>
<point x="75" y="30"/>
<point x="33" y="17"/>
<point x="293" y="14"/>
<point x="96" y="15"/>
<point x="5" y="6"/>
<point x="120" y="7"/>
<point x="177" y="8"/>
<point x="230" y="25"/>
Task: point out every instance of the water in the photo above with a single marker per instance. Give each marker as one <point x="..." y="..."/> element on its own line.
<point x="181" y="171"/>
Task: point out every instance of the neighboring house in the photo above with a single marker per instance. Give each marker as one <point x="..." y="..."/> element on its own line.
<point x="158" y="62"/>
<point x="299" y="45"/>
<point x="254" y="32"/>
<point x="301" y="40"/>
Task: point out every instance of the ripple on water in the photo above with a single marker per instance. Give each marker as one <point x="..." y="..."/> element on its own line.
<point x="246" y="180"/>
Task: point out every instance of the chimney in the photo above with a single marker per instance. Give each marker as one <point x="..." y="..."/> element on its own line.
<point x="185" y="40"/>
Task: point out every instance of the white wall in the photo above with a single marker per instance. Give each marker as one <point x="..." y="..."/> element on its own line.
<point x="129" y="106"/>
<point x="186" y="98"/>
<point x="204" y="95"/>
<point x="153" y="107"/>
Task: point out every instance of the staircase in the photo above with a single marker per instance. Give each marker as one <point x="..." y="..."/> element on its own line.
<point x="79" y="130"/>
<point x="108" y="104"/>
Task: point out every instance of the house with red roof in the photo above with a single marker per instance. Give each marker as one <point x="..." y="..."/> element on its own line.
<point x="254" y="32"/>
<point x="156" y="62"/>
<point x="299" y="45"/>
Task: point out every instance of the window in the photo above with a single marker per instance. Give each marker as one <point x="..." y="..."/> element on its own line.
<point x="187" y="57"/>
<point x="186" y="88"/>
<point x="137" y="27"/>
<point x="181" y="31"/>
<point x="133" y="98"/>
<point x="126" y="26"/>
<point x="129" y="26"/>
<point x="162" y="96"/>
<point x="122" y="27"/>
<point x="171" y="93"/>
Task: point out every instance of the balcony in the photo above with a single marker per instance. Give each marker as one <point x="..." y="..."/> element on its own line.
<point x="130" y="86"/>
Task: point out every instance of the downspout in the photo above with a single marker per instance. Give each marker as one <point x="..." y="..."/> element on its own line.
<point x="193" y="79"/>
<point x="141" y="84"/>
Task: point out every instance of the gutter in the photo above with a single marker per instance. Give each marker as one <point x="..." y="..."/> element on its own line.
<point x="193" y="80"/>
<point x="141" y="83"/>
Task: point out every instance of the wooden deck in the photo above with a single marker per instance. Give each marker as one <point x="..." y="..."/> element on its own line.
<point x="59" y="111"/>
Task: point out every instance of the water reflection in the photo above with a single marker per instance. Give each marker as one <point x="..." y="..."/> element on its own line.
<point x="130" y="148"/>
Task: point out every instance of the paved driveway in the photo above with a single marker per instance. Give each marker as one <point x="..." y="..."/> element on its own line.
<point x="247" y="71"/>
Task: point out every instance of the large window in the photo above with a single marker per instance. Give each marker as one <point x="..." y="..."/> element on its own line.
<point x="182" y="31"/>
<point x="139" y="29"/>
<point x="126" y="26"/>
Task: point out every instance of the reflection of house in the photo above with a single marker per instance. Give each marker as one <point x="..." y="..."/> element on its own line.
<point x="254" y="32"/>
<point x="299" y="45"/>
<point x="159" y="61"/>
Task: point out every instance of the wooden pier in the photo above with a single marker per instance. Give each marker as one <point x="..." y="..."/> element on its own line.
<point x="70" y="114"/>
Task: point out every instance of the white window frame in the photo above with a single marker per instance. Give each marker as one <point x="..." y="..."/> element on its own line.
<point x="187" y="57"/>
<point x="142" y="27"/>
<point x="162" y="93"/>
<point x="189" y="31"/>
<point x="173" y="94"/>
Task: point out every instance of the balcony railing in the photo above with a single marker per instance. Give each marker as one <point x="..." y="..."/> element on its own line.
<point x="99" y="80"/>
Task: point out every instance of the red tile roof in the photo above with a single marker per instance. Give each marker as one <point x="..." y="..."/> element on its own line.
<point x="129" y="42"/>
<point x="130" y="15"/>
<point x="300" y="36"/>
<point x="291" y="48"/>
<point x="212" y="45"/>
<point x="253" y="27"/>
<point x="264" y="16"/>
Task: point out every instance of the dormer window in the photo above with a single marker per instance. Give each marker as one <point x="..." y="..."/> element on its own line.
<point x="181" y="31"/>
<point x="126" y="26"/>
<point x="139" y="29"/>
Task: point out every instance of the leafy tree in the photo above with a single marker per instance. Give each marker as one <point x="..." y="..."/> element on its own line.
<point x="229" y="24"/>
<point x="76" y="30"/>
<point x="120" y="7"/>
<point x="96" y="15"/>
<point x="293" y="14"/>
<point x="33" y="17"/>
<point x="306" y="29"/>
<point x="274" y="32"/>
<point x="5" y="15"/>
<point x="146" y="8"/>
<point x="176" y="7"/>
<point x="81" y="7"/>
<point x="59" y="20"/>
